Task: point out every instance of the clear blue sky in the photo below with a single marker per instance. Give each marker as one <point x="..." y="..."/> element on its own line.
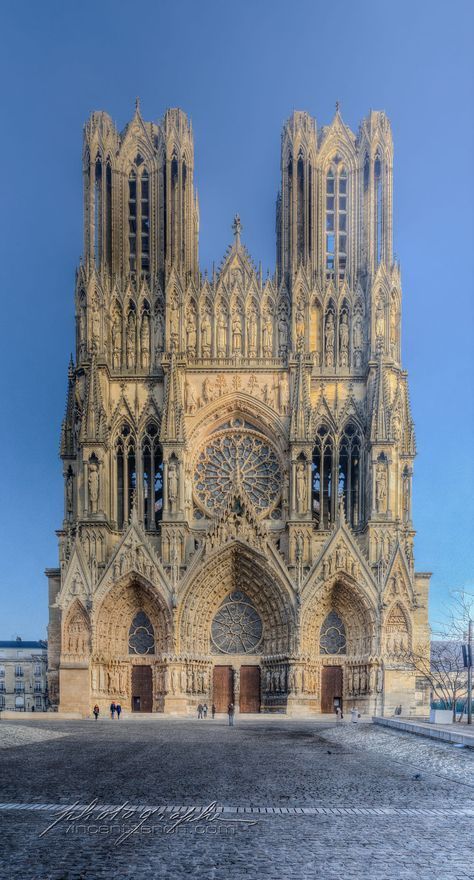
<point x="238" y="69"/>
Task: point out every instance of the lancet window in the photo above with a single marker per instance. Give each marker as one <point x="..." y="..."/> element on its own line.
<point x="378" y="207"/>
<point x="322" y="479"/>
<point x="350" y="483"/>
<point x="139" y="217"/>
<point x="336" y="472"/>
<point x="152" y="469"/>
<point x="336" y="218"/>
<point x="126" y="474"/>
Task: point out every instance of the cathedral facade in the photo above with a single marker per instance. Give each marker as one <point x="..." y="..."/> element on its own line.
<point x="237" y="448"/>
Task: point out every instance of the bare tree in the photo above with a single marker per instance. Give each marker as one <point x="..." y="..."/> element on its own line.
<point x="441" y="662"/>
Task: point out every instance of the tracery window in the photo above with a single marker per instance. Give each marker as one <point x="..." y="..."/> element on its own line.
<point x="139" y="217"/>
<point x="152" y="458"/>
<point x="237" y="456"/>
<point x="237" y="627"/>
<point x="322" y="478"/>
<point x="332" y="638"/>
<point x="126" y="474"/>
<point x="350" y="484"/>
<point x="378" y="207"/>
<point x="141" y="636"/>
<point x="98" y="211"/>
<point x="336" y="217"/>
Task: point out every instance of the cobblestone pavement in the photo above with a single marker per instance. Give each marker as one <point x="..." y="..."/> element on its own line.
<point x="333" y="801"/>
<point x="12" y="735"/>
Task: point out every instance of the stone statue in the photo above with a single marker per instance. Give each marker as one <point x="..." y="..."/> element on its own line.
<point x="252" y="332"/>
<point x="69" y="494"/>
<point x="131" y="341"/>
<point x="357" y="333"/>
<point x="283" y="393"/>
<point x="267" y="335"/>
<point x="381" y="488"/>
<point x="283" y="333"/>
<point x="116" y="341"/>
<point x="329" y="339"/>
<point x="191" y="333"/>
<point x="207" y="391"/>
<point x="379" y="320"/>
<point x="301" y="488"/>
<point x="236" y="333"/>
<point x="299" y="322"/>
<point x="393" y="329"/>
<point x="93" y="484"/>
<point x="96" y="323"/>
<point x="190" y="403"/>
<point x="145" y="341"/>
<point x="172" y="486"/>
<point x="344" y="340"/>
<point x="222" y="335"/>
<point x="205" y="335"/>
<point x="174" y="323"/>
<point x="158" y="331"/>
<point x="406" y="497"/>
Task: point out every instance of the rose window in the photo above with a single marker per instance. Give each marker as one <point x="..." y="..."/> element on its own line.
<point x="333" y="635"/>
<point x="237" y="627"/>
<point x="141" y="638"/>
<point x="235" y="456"/>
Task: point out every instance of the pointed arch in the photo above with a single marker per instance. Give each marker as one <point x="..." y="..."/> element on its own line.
<point x="323" y="477"/>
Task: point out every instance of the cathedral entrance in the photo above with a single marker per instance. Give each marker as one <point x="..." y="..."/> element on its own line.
<point x="142" y="689"/>
<point x="222" y="687"/>
<point x="331" y="688"/>
<point x="249" y="689"/>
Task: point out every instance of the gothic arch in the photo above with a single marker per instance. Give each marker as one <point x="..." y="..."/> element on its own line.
<point x="229" y="569"/>
<point x="117" y="609"/>
<point x="242" y="406"/>
<point x="76" y="635"/>
<point x="397" y="630"/>
<point x="344" y="596"/>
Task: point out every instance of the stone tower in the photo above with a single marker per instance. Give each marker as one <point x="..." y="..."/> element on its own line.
<point x="237" y="450"/>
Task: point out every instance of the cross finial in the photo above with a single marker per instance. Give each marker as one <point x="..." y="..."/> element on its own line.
<point x="137" y="104"/>
<point x="237" y="227"/>
<point x="337" y="106"/>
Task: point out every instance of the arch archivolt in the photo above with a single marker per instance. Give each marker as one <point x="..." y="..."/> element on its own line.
<point x="342" y="594"/>
<point x="237" y="405"/>
<point x="235" y="568"/>
<point x="114" y="615"/>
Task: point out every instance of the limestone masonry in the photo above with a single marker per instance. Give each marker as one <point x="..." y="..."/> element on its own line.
<point x="237" y="449"/>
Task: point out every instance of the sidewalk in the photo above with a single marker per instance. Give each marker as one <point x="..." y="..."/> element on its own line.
<point x="453" y="733"/>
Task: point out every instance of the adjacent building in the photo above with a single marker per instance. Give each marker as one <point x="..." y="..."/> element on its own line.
<point x="237" y="447"/>
<point x="23" y="679"/>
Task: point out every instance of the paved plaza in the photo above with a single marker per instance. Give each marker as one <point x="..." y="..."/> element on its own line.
<point x="293" y="799"/>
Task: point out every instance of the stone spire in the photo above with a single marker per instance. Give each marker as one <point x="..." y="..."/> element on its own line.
<point x="379" y="408"/>
<point x="94" y="424"/>
<point x="172" y="426"/>
<point x="300" y="404"/>
<point x="67" y="427"/>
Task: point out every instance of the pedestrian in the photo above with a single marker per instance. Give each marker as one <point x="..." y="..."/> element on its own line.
<point x="200" y="708"/>
<point x="96" y="711"/>
<point x="231" y="713"/>
<point x="354" y="715"/>
<point x="213" y="711"/>
<point x="204" y="710"/>
<point x="112" y="709"/>
<point x="339" y="715"/>
<point x="118" y="709"/>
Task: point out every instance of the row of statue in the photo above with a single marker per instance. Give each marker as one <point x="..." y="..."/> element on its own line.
<point x="364" y="679"/>
<point x="275" y="395"/>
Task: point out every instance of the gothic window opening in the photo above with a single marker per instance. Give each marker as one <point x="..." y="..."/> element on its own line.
<point x="366" y="173"/>
<point x="108" y="215"/>
<point x="152" y="457"/>
<point x="139" y="217"/>
<point x="322" y="478"/>
<point x="350" y="484"/>
<point x="126" y="474"/>
<point x="98" y="211"/>
<point x="175" y="196"/>
<point x="336" y="218"/>
<point x="141" y="635"/>
<point x="378" y="207"/>
<point x="237" y="627"/>
<point x="332" y="638"/>
<point x="145" y="222"/>
<point x="132" y="220"/>
<point x="300" y="224"/>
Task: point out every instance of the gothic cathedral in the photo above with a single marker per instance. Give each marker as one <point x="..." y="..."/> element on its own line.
<point x="237" y="449"/>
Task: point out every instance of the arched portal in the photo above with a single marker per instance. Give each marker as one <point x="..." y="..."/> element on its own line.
<point x="132" y="632"/>
<point x="237" y="613"/>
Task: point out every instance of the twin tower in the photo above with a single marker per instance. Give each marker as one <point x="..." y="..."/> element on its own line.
<point x="237" y="449"/>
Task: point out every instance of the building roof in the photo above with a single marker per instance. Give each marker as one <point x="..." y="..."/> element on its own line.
<point x="40" y="646"/>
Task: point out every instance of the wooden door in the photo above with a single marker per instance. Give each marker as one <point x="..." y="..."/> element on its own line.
<point x="142" y="689"/>
<point x="331" y="688"/>
<point x="222" y="687"/>
<point x="250" y="689"/>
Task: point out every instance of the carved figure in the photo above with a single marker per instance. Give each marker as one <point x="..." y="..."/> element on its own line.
<point x="205" y="335"/>
<point x="145" y="341"/>
<point x="381" y="488"/>
<point x="329" y="339"/>
<point x="379" y="320"/>
<point x="131" y="341"/>
<point x="191" y="333"/>
<point x="252" y="332"/>
<point x="236" y="333"/>
<point x="93" y="484"/>
<point x="172" y="486"/>
<point x="301" y="488"/>
<point x="344" y="340"/>
<point x="267" y="335"/>
<point x="222" y="335"/>
<point x="116" y="341"/>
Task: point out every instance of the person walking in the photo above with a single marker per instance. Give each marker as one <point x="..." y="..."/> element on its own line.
<point x="96" y="711"/>
<point x="213" y="711"/>
<point x="204" y="710"/>
<point x="200" y="707"/>
<point x="339" y="715"/>
<point x="112" y="709"/>
<point x="354" y="715"/>
<point x="118" y="709"/>
<point x="231" y="713"/>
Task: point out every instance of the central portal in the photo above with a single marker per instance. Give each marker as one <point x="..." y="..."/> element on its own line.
<point x="222" y="687"/>
<point x="142" y="689"/>
<point x="331" y="688"/>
